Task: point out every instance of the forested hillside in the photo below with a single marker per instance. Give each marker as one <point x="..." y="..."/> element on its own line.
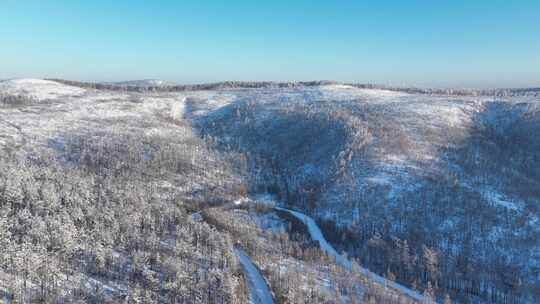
<point x="144" y="193"/>
<point x="114" y="197"/>
<point x="430" y="190"/>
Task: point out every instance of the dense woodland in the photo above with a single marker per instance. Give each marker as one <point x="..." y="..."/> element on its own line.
<point x="74" y="227"/>
<point x="67" y="232"/>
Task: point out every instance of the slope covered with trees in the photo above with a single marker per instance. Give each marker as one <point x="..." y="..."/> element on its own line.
<point x="142" y="195"/>
<point x="111" y="197"/>
<point x="438" y="192"/>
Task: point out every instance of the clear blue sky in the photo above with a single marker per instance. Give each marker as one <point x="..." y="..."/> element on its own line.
<point x="475" y="43"/>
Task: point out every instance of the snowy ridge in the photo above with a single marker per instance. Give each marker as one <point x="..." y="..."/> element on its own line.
<point x="143" y="83"/>
<point x="39" y="89"/>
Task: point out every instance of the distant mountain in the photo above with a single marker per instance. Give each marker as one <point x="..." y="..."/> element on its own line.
<point x="159" y="85"/>
<point x="144" y="83"/>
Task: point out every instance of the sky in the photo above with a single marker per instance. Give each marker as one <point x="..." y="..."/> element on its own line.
<point x="443" y="43"/>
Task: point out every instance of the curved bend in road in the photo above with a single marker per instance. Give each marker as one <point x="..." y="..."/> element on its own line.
<point x="317" y="235"/>
<point x="259" y="293"/>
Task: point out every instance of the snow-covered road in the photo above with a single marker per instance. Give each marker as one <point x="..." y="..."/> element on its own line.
<point x="317" y="235"/>
<point x="259" y="291"/>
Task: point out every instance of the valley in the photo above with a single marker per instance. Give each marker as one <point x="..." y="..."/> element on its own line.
<point x="143" y="191"/>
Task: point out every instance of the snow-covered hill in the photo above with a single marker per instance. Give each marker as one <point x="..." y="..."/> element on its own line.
<point x="439" y="192"/>
<point x="455" y="178"/>
<point x="144" y="83"/>
<point x="39" y="89"/>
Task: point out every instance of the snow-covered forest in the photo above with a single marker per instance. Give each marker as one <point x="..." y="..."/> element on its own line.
<point x="149" y="192"/>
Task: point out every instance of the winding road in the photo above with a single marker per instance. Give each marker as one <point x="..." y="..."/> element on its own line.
<point x="259" y="293"/>
<point x="317" y="235"/>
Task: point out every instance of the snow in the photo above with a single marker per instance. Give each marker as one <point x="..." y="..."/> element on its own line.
<point x="144" y="83"/>
<point x="381" y="93"/>
<point x="427" y="122"/>
<point x="494" y="197"/>
<point x="205" y="103"/>
<point x="266" y="199"/>
<point x="39" y="89"/>
<point x="177" y="109"/>
<point x="339" y="91"/>
<point x="381" y="179"/>
<point x="93" y="284"/>
<point x="240" y="201"/>
<point x="317" y="235"/>
<point x="268" y="221"/>
<point x="259" y="292"/>
<point x="500" y="200"/>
